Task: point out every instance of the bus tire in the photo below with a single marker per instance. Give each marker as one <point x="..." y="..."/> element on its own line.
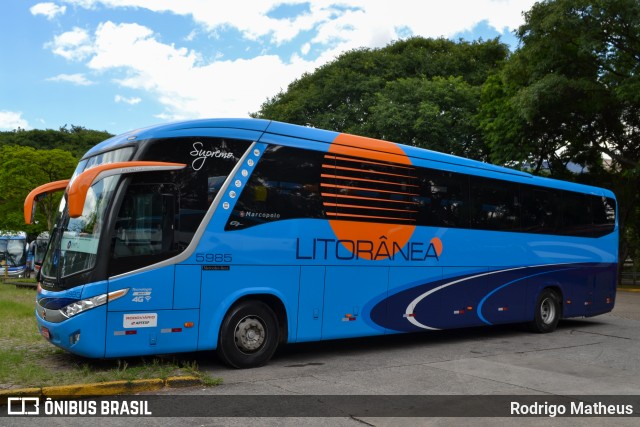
<point x="249" y="335"/>
<point x="547" y="312"/>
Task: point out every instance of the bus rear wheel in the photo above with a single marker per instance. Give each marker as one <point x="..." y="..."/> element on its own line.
<point x="547" y="312"/>
<point x="249" y="335"/>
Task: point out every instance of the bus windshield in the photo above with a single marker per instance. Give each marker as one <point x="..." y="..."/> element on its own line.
<point x="13" y="252"/>
<point x="73" y="246"/>
<point x="39" y="247"/>
<point x="75" y="240"/>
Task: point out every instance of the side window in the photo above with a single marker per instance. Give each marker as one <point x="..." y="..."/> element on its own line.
<point x="540" y="210"/>
<point x="576" y="214"/>
<point x="145" y="227"/>
<point x="284" y="185"/>
<point x="161" y="211"/>
<point x="444" y="199"/>
<point x="604" y="215"/>
<point x="495" y="205"/>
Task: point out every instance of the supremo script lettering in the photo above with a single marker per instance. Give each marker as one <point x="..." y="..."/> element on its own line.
<point x="334" y="249"/>
<point x="201" y="155"/>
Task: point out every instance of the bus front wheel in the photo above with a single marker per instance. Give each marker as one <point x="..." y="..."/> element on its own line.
<point x="249" y="335"/>
<point x="547" y="312"/>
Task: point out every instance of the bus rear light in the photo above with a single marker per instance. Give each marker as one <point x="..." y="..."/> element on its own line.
<point x="122" y="333"/>
<point x="458" y="312"/>
<point x="568" y="301"/>
<point x="132" y="332"/>
<point x="170" y="330"/>
<point x="608" y="300"/>
<point x="503" y="308"/>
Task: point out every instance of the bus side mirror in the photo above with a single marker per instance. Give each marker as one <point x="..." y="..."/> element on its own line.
<point x="35" y="194"/>
<point x="77" y="193"/>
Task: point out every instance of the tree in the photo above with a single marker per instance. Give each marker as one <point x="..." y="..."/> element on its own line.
<point x="21" y="170"/>
<point x="571" y="93"/>
<point x="418" y="91"/>
<point x="77" y="140"/>
<point x="437" y="113"/>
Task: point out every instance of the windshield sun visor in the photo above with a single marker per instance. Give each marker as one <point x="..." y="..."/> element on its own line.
<point x="77" y="193"/>
<point x="32" y="198"/>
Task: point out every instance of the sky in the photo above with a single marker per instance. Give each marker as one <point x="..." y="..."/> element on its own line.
<point x="118" y="65"/>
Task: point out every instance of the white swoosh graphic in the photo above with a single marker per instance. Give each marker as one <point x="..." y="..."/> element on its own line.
<point x="415" y="302"/>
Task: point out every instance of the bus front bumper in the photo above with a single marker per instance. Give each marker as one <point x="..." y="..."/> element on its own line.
<point x="83" y="334"/>
<point x="14" y="272"/>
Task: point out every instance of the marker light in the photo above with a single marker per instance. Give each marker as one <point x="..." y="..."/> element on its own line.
<point x="89" y="303"/>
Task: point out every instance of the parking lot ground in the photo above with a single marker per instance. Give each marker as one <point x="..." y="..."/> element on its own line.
<point x="595" y="356"/>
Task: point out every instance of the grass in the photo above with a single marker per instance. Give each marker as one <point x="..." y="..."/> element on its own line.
<point x="27" y="360"/>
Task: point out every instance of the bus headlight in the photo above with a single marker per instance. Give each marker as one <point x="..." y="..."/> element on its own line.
<point x="89" y="303"/>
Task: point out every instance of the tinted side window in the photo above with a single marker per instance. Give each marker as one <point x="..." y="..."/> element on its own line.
<point x="540" y="210"/>
<point x="145" y="229"/>
<point x="209" y="162"/>
<point x="576" y="214"/>
<point x="495" y="204"/>
<point x="444" y="199"/>
<point x="284" y="185"/>
<point x="161" y="211"/>
<point x="604" y="215"/>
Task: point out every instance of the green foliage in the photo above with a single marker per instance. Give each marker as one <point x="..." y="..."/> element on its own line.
<point x="571" y="93"/>
<point x="437" y="113"/>
<point x="28" y="360"/>
<point x="22" y="170"/>
<point x="570" y="85"/>
<point x="418" y="91"/>
<point x="76" y="139"/>
<point x="31" y="158"/>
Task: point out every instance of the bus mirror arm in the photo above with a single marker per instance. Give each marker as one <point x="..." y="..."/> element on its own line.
<point x="77" y="193"/>
<point x="32" y="198"/>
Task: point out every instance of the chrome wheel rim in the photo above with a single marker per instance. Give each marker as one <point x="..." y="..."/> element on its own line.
<point x="547" y="311"/>
<point x="250" y="334"/>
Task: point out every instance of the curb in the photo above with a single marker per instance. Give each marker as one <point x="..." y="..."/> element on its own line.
<point x="109" y="388"/>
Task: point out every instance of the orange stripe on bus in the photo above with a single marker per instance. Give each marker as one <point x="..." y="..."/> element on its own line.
<point x="347" y="196"/>
<point x="344" y="187"/>
<point x="369" y="216"/>
<point x="365" y="180"/>
<point x="373" y="208"/>
<point x="367" y="171"/>
<point x="360" y="160"/>
<point x="376" y="149"/>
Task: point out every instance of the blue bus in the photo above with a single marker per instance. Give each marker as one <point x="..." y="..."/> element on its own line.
<point x="238" y="235"/>
<point x="13" y="254"/>
<point x="37" y="249"/>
